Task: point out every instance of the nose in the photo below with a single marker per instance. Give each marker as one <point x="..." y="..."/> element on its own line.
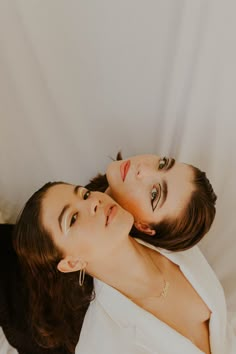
<point x="143" y="170"/>
<point x="95" y="203"/>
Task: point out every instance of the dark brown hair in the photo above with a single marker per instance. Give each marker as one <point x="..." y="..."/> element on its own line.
<point x="186" y="231"/>
<point x="57" y="302"/>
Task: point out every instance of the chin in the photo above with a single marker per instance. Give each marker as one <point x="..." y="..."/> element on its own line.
<point x="113" y="173"/>
<point x="130" y="218"/>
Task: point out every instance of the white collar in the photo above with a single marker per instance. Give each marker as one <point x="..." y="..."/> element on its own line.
<point x="150" y="330"/>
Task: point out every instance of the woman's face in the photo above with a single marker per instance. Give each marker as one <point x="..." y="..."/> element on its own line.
<point x="84" y="224"/>
<point x="150" y="187"/>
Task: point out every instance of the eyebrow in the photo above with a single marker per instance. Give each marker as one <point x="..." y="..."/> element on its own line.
<point x="66" y="207"/>
<point x="171" y="163"/>
<point x="164" y="190"/>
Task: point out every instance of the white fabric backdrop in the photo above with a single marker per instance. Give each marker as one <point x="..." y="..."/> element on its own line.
<point x="81" y="79"/>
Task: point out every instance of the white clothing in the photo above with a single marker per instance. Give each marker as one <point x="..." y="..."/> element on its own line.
<point x="115" y="325"/>
<point x="5" y="347"/>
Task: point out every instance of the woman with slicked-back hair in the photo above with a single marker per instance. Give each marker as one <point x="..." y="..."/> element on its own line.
<point x="141" y="183"/>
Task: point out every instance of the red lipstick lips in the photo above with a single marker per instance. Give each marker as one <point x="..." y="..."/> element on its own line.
<point x="110" y="212"/>
<point x="124" y="168"/>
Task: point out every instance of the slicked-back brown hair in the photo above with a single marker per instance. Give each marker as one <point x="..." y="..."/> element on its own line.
<point x="188" y="229"/>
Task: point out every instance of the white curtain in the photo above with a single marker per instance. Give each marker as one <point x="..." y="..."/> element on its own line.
<point x="81" y="79"/>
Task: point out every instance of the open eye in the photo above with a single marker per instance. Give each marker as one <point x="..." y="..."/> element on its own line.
<point x="86" y="194"/>
<point x="155" y="196"/>
<point x="73" y="219"/>
<point x="163" y="162"/>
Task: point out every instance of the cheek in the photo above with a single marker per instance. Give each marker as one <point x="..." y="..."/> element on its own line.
<point x="126" y="201"/>
<point x="133" y="199"/>
<point x="83" y="236"/>
<point x="136" y="209"/>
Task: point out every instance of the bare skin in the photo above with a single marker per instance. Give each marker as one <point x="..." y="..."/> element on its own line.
<point x="183" y="309"/>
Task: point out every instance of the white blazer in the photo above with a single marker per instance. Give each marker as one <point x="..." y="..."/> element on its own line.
<point x="115" y="325"/>
<point x="5" y="347"/>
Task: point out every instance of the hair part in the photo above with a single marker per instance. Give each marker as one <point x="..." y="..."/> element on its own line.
<point x="56" y="312"/>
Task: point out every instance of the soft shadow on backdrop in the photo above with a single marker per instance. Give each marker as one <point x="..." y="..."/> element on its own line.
<point x="80" y="80"/>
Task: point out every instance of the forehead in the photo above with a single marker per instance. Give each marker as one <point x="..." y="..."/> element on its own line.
<point x="180" y="189"/>
<point x="54" y="200"/>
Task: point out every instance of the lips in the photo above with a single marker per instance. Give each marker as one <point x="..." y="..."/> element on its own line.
<point x="124" y="168"/>
<point x="110" y="212"/>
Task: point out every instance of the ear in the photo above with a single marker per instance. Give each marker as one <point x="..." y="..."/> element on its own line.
<point x="143" y="227"/>
<point x="70" y="264"/>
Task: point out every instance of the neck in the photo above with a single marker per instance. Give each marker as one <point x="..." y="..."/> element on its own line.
<point x="131" y="270"/>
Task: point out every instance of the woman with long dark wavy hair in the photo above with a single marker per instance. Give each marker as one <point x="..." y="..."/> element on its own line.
<point x="84" y="271"/>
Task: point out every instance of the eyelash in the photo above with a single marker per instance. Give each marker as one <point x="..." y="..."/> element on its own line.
<point x="163" y="162"/>
<point x="156" y="197"/>
<point x="72" y="221"/>
<point x="85" y="195"/>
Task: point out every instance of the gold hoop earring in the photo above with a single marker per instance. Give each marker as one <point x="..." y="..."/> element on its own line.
<point x="82" y="276"/>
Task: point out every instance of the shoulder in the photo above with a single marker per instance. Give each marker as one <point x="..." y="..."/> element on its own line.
<point x="4" y="345"/>
<point x="101" y="332"/>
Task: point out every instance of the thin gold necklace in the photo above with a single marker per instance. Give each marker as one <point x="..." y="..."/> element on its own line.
<point x="164" y="291"/>
<point x="166" y="285"/>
